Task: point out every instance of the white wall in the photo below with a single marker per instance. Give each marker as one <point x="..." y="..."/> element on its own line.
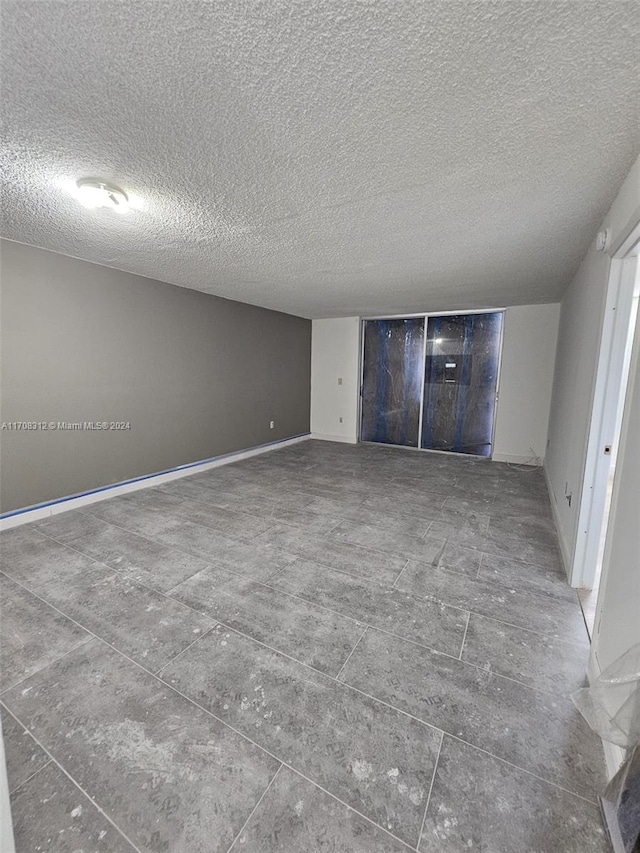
<point x="526" y="381"/>
<point x="525" y="385"/>
<point x="581" y="321"/>
<point x="335" y="354"/>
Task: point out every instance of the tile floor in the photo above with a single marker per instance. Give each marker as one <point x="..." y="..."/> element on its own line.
<point x="324" y="648"/>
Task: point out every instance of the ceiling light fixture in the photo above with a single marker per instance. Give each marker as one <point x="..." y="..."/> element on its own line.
<point x="94" y="193"/>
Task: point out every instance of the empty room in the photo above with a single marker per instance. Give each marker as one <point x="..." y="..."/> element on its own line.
<point x="320" y="408"/>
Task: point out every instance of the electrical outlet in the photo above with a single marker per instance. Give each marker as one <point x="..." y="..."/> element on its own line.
<point x="339" y="380"/>
<point x="272" y="424"/>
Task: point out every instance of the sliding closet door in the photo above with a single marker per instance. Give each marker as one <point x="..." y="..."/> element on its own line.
<point x="392" y="381"/>
<point x="461" y="378"/>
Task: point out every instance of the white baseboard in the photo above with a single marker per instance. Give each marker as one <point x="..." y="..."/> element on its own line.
<point x="344" y="439"/>
<point x="36" y="513"/>
<point x="564" y="548"/>
<point x="513" y="458"/>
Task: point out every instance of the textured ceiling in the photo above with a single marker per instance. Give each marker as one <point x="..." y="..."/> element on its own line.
<point x="324" y="158"/>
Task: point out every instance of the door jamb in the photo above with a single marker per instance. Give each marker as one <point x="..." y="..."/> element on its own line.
<point x="607" y="390"/>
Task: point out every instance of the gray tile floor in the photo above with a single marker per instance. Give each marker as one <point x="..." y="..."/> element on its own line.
<point x="324" y="648"/>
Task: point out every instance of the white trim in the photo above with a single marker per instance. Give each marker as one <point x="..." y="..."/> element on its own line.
<point x="496" y="395"/>
<point x="611" y="374"/>
<point x="434" y="314"/>
<point x="25" y="517"/>
<point x="360" y="377"/>
<point x="322" y="436"/>
<point x="74" y="502"/>
<point x="514" y="458"/>
<point x="424" y="376"/>
<point x="565" y="551"/>
<point x="627" y="238"/>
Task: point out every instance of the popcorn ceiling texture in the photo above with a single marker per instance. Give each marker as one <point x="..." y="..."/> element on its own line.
<point x="325" y="159"/>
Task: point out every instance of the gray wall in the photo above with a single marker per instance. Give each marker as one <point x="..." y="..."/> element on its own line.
<point x="195" y="375"/>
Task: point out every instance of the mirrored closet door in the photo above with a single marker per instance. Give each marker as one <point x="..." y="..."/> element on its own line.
<point x="431" y="381"/>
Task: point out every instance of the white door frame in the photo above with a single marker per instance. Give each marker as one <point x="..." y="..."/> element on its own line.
<point x="613" y="364"/>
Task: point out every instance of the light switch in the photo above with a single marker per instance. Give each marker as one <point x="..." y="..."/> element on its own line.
<point x="339" y="380"/>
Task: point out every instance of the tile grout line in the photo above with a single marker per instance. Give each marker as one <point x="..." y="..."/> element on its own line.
<point x="208" y="563"/>
<point x="364" y="578"/>
<point x="160" y="512"/>
<point x="255" y="808"/>
<point x="341" y="670"/>
<point x="222" y="532"/>
<point x="426" y="532"/>
<point x="464" y="637"/>
<point x="175" y="657"/>
<point x="29" y="778"/>
<point x="342" y="683"/>
<point x="93" y="636"/>
<point x="350" y="808"/>
<point x="336" y="613"/>
<point x="528" y="590"/>
<point x="210" y="504"/>
<point x="178" y="517"/>
<point x="227" y="725"/>
<point x="331" y="529"/>
<point x="399" y="576"/>
<point x="169" y="597"/>
<point x="53" y="760"/>
<point x="433" y="779"/>
<point x="517" y="767"/>
<point x="361" y="578"/>
<point x="322" y="539"/>
<point x="208" y="559"/>
<point x="186" y="517"/>
<point x="374" y="699"/>
<point x="366" y="547"/>
<point x="491" y="618"/>
<point x="24" y="678"/>
<point x="306" y="666"/>
<point x="265" y="584"/>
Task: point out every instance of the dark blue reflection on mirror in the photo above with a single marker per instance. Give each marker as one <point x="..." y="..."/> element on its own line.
<point x="392" y="379"/>
<point x="461" y="378"/>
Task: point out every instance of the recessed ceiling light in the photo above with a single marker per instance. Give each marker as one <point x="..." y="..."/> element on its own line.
<point x="93" y="193"/>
